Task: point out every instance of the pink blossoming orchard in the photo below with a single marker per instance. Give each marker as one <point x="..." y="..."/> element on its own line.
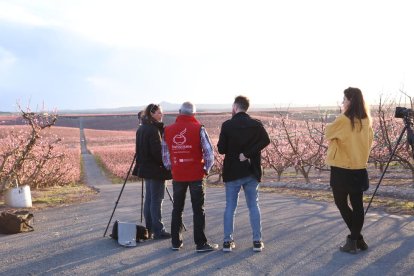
<point x="37" y="154"/>
<point x="42" y="155"/>
<point x="114" y="149"/>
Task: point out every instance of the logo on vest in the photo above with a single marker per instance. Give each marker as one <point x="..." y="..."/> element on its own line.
<point x="180" y="140"/>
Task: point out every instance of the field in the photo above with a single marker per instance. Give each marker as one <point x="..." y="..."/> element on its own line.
<point x="111" y="138"/>
<point x="57" y="143"/>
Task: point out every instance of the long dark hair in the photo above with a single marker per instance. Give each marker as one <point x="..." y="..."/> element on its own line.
<point x="151" y="108"/>
<point x="356" y="109"/>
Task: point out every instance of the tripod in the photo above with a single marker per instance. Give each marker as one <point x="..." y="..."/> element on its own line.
<point x="117" y="201"/>
<point x="410" y="139"/>
<point x="142" y="196"/>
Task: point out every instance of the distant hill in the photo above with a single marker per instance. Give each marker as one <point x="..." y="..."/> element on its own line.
<point x="174" y="107"/>
<point x="166" y="106"/>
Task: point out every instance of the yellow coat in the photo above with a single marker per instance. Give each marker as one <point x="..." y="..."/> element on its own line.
<point x="348" y="149"/>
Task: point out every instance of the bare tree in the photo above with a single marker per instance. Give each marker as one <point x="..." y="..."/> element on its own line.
<point x="387" y="129"/>
<point x="20" y="148"/>
<point x="304" y="152"/>
<point x="274" y="154"/>
<point x="217" y="168"/>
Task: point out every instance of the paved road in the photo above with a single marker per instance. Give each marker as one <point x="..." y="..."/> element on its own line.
<point x="301" y="238"/>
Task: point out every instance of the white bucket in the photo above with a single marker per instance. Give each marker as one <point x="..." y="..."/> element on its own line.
<point x="19" y="197"/>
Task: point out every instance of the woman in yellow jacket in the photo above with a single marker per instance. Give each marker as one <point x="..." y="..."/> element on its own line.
<point x="350" y="139"/>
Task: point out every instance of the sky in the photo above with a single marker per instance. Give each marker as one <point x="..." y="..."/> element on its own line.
<point x="86" y="54"/>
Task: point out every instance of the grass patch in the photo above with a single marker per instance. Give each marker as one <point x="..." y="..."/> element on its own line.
<point x="58" y="196"/>
<point x="387" y="204"/>
<point x="48" y="200"/>
<point x="82" y="167"/>
<point x="113" y="178"/>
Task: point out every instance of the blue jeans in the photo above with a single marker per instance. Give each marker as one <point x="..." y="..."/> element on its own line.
<point x="154" y="196"/>
<point x="251" y="193"/>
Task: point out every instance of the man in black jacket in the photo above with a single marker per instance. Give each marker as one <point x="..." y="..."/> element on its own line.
<point x="242" y="140"/>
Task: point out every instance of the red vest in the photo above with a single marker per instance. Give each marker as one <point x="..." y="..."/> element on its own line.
<point x="184" y="144"/>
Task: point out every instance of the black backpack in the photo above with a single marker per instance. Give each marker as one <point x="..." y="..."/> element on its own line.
<point x="16" y="222"/>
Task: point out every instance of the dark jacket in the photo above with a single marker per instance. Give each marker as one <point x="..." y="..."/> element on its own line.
<point x="242" y="134"/>
<point x="148" y="151"/>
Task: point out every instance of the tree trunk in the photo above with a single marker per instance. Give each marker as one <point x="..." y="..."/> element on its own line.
<point x="279" y="175"/>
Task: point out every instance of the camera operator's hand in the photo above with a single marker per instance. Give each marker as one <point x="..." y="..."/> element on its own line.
<point x="243" y="158"/>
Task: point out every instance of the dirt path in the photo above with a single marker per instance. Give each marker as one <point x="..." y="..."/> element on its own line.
<point x="94" y="176"/>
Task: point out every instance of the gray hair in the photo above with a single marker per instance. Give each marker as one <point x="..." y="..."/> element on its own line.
<point x="188" y="108"/>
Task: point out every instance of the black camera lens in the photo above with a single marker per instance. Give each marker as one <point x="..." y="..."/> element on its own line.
<point x="401" y="112"/>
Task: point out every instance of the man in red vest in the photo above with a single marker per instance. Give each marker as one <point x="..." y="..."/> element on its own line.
<point x="187" y="151"/>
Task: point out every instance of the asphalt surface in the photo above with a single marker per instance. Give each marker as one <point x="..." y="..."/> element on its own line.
<point x="301" y="238"/>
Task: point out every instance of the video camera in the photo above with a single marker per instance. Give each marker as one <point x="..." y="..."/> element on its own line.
<point x="408" y="116"/>
<point x="402" y="112"/>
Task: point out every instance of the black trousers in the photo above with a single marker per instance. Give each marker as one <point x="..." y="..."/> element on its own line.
<point x="354" y="218"/>
<point x="197" y="192"/>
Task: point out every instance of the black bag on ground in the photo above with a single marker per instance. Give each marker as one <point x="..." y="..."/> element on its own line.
<point x="142" y="232"/>
<point x="16" y="222"/>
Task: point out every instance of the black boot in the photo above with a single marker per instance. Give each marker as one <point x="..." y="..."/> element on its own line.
<point x="361" y="244"/>
<point x="350" y="246"/>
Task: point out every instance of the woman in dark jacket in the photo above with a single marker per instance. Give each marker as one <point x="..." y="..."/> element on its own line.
<point x="150" y="167"/>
